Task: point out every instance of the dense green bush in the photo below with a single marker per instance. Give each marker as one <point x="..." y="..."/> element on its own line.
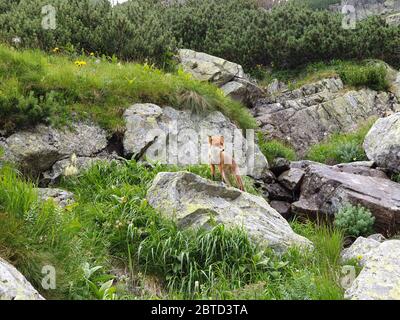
<point x="354" y="220"/>
<point x="288" y="35"/>
<point x="372" y="75"/>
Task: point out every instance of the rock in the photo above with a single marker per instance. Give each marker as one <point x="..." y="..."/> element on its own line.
<point x="205" y="67"/>
<point x="282" y="207"/>
<point x="377" y="237"/>
<point x="364" y="168"/>
<point x="275" y="191"/>
<point x="291" y="179"/>
<point x="393" y="19"/>
<point x="315" y="111"/>
<point x="367" y="8"/>
<point x="60" y="168"/>
<point x="276" y="87"/>
<point x="36" y="150"/>
<point x="196" y="202"/>
<point x="229" y="76"/>
<point x="380" y="277"/>
<point x="359" y="250"/>
<point x="59" y="196"/>
<point x="14" y="286"/>
<point x="280" y="165"/>
<point x="382" y="143"/>
<point x="181" y="138"/>
<point x="325" y="190"/>
<point x="244" y="91"/>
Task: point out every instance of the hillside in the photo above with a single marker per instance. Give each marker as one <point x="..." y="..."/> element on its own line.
<point x="119" y="127"/>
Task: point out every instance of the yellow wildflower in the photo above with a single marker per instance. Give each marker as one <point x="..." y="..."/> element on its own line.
<point x="80" y="63"/>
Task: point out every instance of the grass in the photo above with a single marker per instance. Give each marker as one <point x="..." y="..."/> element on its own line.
<point x="111" y="226"/>
<point x="358" y="74"/>
<point x="273" y="149"/>
<point x="37" y="87"/>
<point x="341" y="147"/>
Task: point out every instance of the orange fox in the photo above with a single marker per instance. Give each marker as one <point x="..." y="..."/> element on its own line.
<point x="216" y="156"/>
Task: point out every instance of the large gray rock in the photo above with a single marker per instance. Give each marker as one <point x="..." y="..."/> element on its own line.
<point x="225" y="74"/>
<point x="14" y="286"/>
<point x="382" y="143"/>
<point x="326" y="189"/>
<point x="194" y="202"/>
<point x="36" y="150"/>
<point x="315" y="111"/>
<point x="205" y="67"/>
<point x="380" y="277"/>
<point x="178" y="137"/>
<point x="59" y="196"/>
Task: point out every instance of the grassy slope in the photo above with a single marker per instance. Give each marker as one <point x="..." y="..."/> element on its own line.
<point x="35" y="87"/>
<point x="111" y="226"/>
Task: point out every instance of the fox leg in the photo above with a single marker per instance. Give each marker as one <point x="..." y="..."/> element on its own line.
<point x="236" y="173"/>
<point x="212" y="167"/>
<point x="221" y="169"/>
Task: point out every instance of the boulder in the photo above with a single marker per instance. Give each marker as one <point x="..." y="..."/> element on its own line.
<point x="380" y="277"/>
<point x="382" y="143"/>
<point x="274" y="191"/>
<point x="193" y="201"/>
<point x="325" y="189"/>
<point x="280" y="165"/>
<point x="59" y="196"/>
<point x="180" y="138"/>
<point x="229" y="76"/>
<point x="36" y="150"/>
<point x="205" y="67"/>
<point x="315" y="111"/>
<point x="364" y="168"/>
<point x="291" y="179"/>
<point x="282" y="207"/>
<point x="14" y="286"/>
<point x="393" y="19"/>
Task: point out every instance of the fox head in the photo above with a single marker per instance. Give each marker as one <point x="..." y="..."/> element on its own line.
<point x="216" y="142"/>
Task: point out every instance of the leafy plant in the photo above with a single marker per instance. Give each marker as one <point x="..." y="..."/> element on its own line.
<point x="354" y="220"/>
<point x="275" y="149"/>
<point x="341" y="147"/>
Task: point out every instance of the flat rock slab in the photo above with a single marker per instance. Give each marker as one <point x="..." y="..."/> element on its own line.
<point x="59" y="196"/>
<point x="325" y="189"/>
<point x="192" y="201"/>
<point x="14" y="286"/>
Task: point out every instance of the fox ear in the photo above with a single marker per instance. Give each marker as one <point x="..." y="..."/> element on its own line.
<point x="209" y="139"/>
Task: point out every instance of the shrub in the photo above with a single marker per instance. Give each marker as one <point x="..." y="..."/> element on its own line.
<point x="354" y="220"/>
<point x="273" y="149"/>
<point x="289" y="35"/>
<point x="372" y="75"/>
<point x="341" y="147"/>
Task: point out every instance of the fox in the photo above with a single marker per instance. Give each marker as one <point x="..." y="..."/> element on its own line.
<point x="217" y="156"/>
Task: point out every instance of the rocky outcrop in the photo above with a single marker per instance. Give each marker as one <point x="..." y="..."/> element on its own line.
<point x="366" y="8"/>
<point x="325" y="189"/>
<point x="14" y="286"/>
<point x="196" y="202"/>
<point x="380" y="277"/>
<point x="59" y="196"/>
<point x="181" y="138"/>
<point x="36" y="150"/>
<point x="308" y="115"/>
<point x="382" y="143"/>
<point x="225" y="74"/>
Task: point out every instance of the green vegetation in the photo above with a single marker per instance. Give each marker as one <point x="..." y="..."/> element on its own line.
<point x="341" y="147"/>
<point x="53" y="88"/>
<point x="369" y="73"/>
<point x="273" y="149"/>
<point x="354" y="220"/>
<point x="287" y="36"/>
<point x="112" y="227"/>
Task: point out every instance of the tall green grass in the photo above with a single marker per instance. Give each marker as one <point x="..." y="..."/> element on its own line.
<point x="111" y="226"/>
<point x="36" y="87"/>
<point x="341" y="147"/>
